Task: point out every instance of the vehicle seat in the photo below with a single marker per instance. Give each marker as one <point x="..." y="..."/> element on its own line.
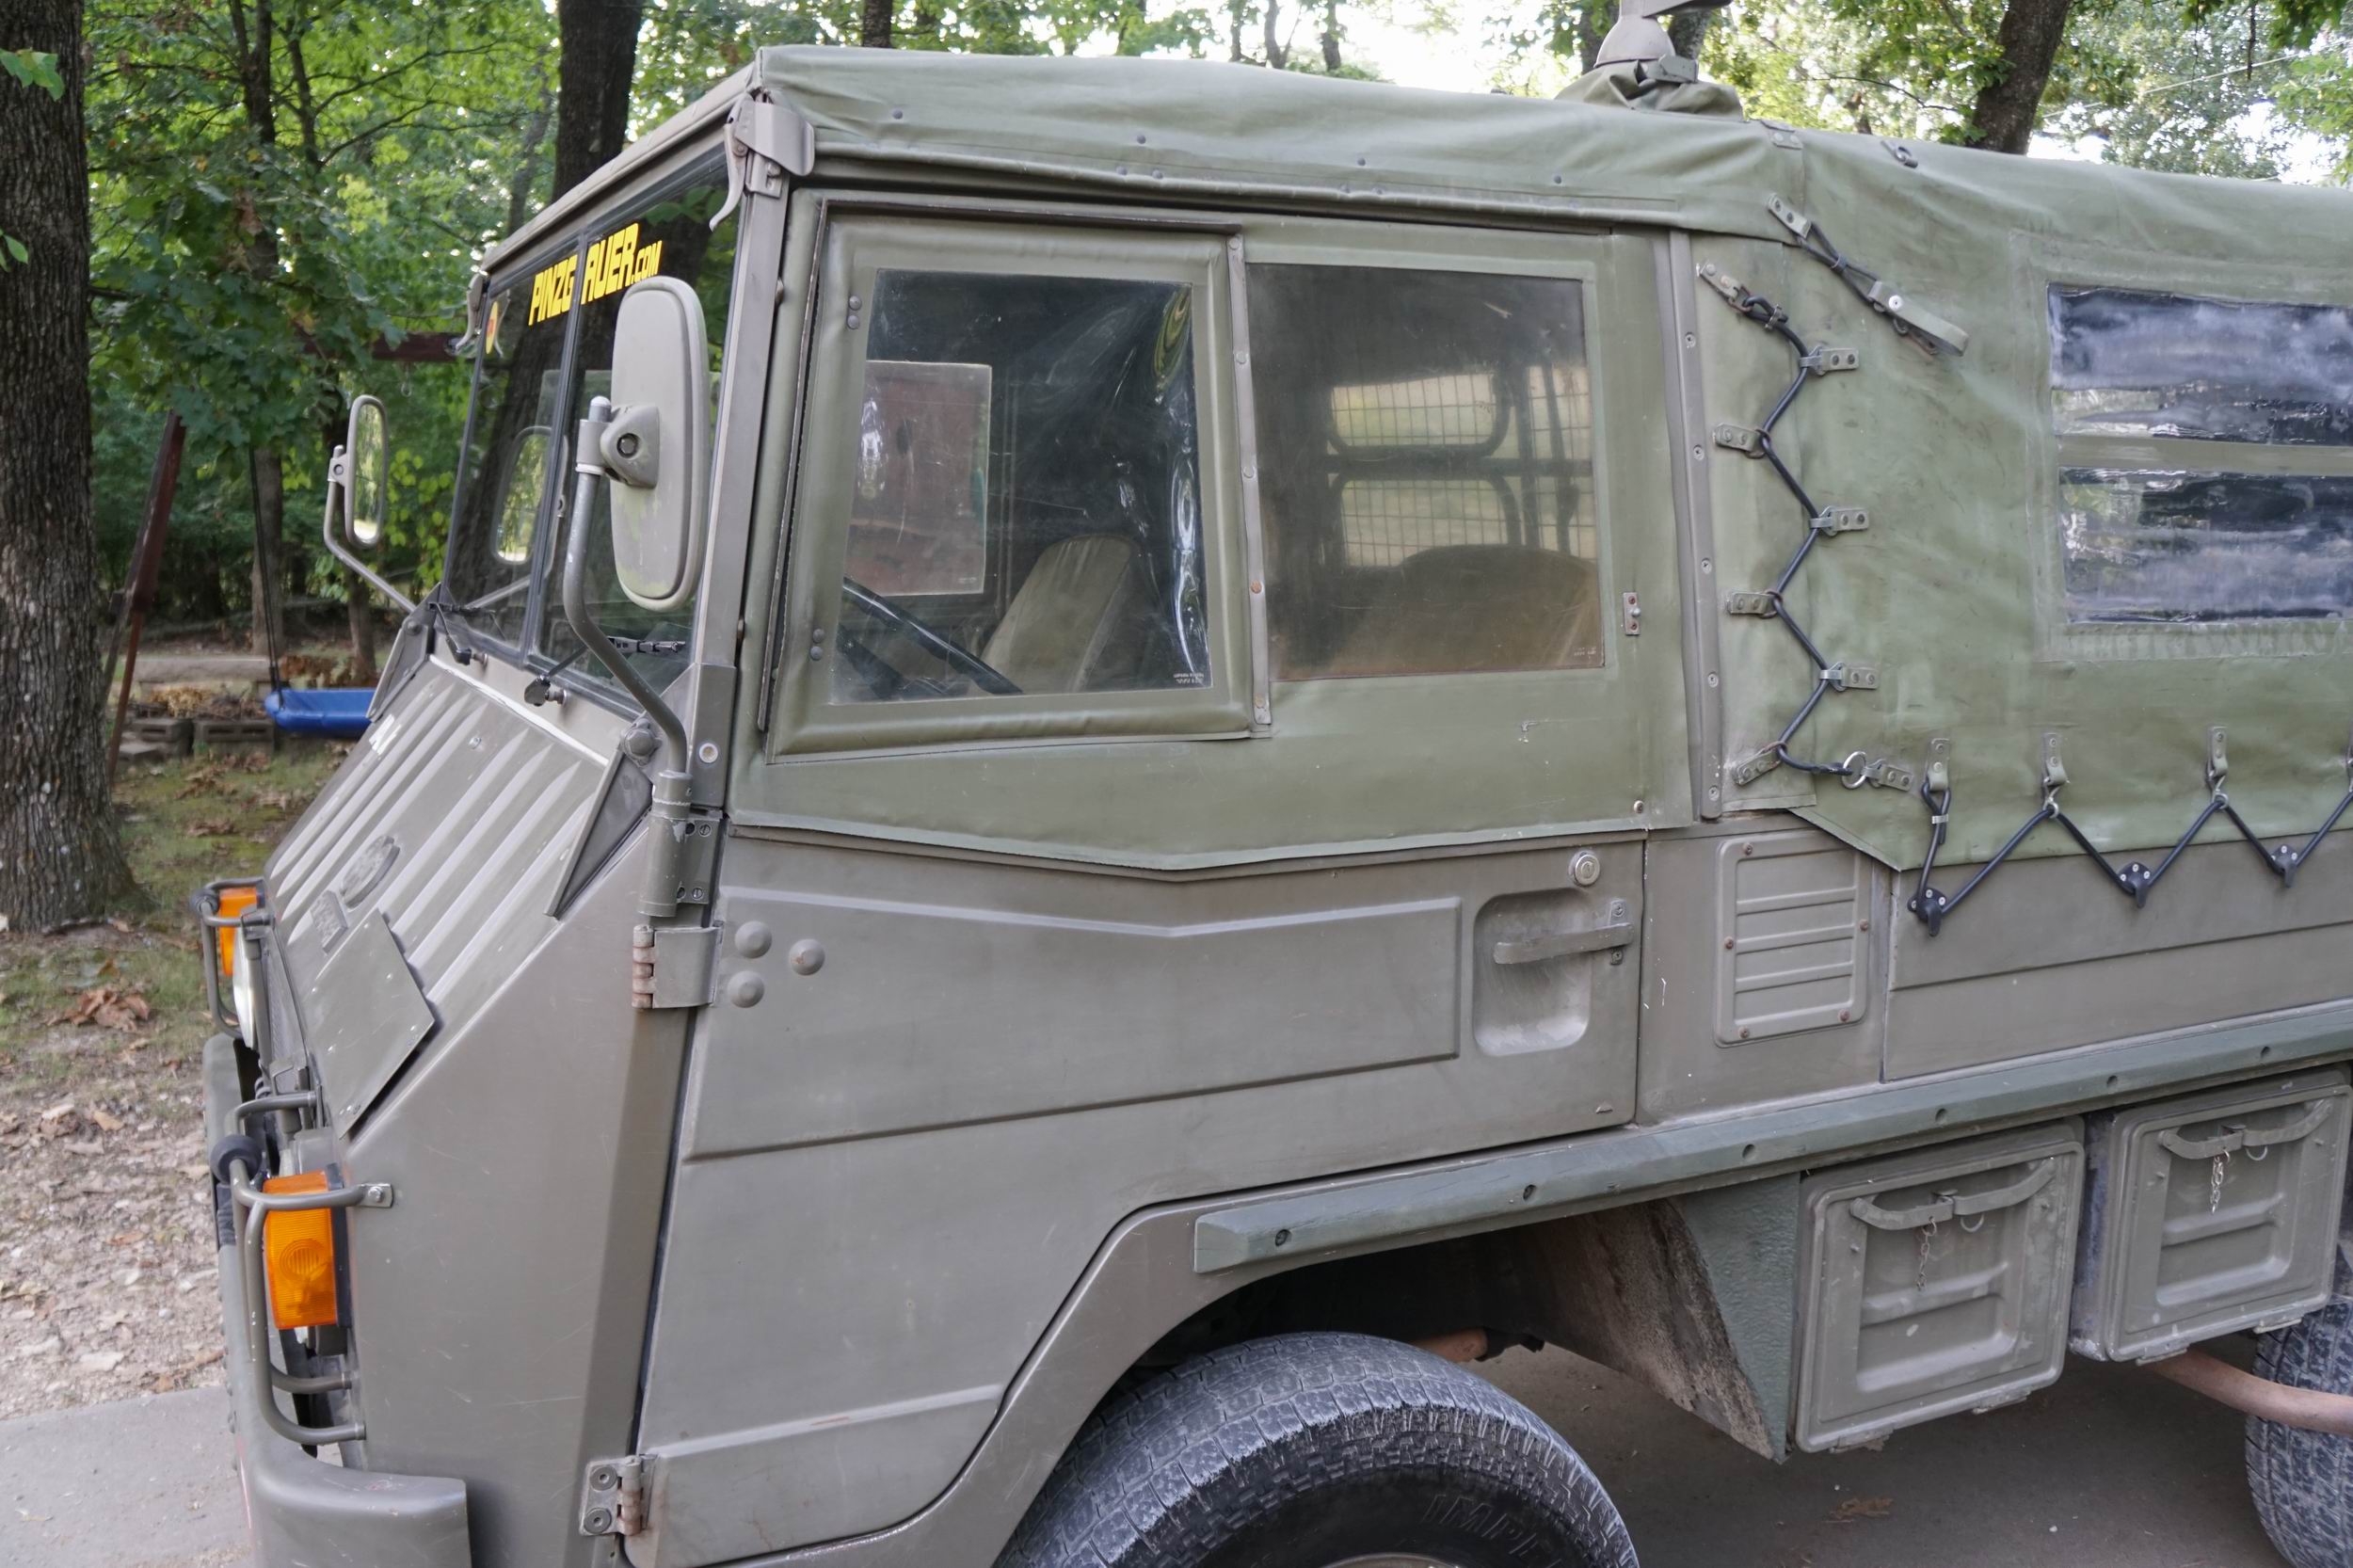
<point x="1078" y="623"/>
<point x="1477" y="607"/>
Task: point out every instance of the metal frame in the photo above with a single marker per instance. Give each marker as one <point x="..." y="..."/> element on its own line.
<point x="1253" y="517"/>
<point x="1686" y="419"/>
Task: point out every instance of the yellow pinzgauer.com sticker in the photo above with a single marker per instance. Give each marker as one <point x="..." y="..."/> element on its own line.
<point x="614" y="262"/>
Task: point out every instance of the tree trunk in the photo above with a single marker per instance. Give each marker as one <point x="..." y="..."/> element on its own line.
<point x="1687" y="33"/>
<point x="268" y="478"/>
<point x="527" y="167"/>
<point x="1277" y="54"/>
<point x="1237" y="18"/>
<point x="60" y="852"/>
<point x="597" y="60"/>
<point x="874" y="24"/>
<point x="1331" y="37"/>
<point x="2010" y="103"/>
<point x="1593" y="25"/>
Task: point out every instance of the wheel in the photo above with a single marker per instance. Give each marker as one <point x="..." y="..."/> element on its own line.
<point x="2302" y="1481"/>
<point x="1320" y="1450"/>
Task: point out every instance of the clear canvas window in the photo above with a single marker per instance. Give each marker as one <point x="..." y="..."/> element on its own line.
<point x="2206" y="457"/>
<point x="2125" y="362"/>
<point x="1025" y="512"/>
<point x="1425" y="448"/>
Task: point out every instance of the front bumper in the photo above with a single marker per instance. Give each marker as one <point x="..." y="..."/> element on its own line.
<point x="303" y="1510"/>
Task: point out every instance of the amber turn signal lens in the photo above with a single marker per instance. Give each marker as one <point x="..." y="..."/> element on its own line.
<point x="234" y="901"/>
<point x="298" y="1251"/>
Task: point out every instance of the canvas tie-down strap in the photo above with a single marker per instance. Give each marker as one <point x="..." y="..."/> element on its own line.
<point x="1858" y="768"/>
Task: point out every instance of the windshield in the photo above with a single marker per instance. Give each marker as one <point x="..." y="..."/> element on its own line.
<point x="548" y="349"/>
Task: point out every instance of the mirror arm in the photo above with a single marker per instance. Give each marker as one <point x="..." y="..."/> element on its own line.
<point x="658" y="896"/>
<point x="584" y="620"/>
<point x="339" y="492"/>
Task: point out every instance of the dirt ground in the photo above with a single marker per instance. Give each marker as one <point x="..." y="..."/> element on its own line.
<point x="106" y="1256"/>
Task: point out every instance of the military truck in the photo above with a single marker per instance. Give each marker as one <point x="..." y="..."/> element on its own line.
<point x="1119" y="757"/>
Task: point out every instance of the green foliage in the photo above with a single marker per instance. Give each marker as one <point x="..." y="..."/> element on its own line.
<point x="33" y="69"/>
<point x="254" y="251"/>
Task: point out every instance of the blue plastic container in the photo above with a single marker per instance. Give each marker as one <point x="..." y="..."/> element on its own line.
<point x="339" y="712"/>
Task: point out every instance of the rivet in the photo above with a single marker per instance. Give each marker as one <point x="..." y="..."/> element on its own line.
<point x="1139" y="139"/>
<point x="1122" y="169"/>
<point x="1283" y="1237"/>
<point x="1360" y="163"/>
<point x="1744" y="1034"/>
<point x="1863" y="925"/>
<point x="1556" y="179"/>
<point x="807" y="957"/>
<point x="1727" y="944"/>
<point x="745" y="989"/>
<point x="753" y="938"/>
<point x="708" y="752"/>
<point x="1748" y="849"/>
<point x="898" y="114"/>
<point x="1257" y="587"/>
<point x="1842" y="1016"/>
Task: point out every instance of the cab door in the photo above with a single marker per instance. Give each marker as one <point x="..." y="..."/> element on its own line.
<point x="1202" y="744"/>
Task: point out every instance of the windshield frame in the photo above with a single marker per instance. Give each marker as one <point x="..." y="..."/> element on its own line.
<point x="542" y="587"/>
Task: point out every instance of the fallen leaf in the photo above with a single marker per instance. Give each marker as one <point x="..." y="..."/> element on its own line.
<point x="1862" y="1507"/>
<point x="105" y="1122"/>
<point x="211" y="828"/>
<point x="108" y="1008"/>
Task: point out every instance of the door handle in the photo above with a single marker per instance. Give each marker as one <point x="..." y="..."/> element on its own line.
<point x="1616" y="931"/>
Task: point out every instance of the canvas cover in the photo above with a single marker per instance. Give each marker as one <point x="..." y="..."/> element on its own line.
<point x="1966" y="593"/>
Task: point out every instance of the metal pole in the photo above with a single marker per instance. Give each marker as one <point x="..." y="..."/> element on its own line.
<point x="147" y="559"/>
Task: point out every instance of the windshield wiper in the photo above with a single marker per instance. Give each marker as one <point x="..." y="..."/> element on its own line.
<point x="542" y="688"/>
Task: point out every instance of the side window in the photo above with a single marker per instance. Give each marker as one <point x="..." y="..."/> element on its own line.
<point x="1426" y="447"/>
<point x="1024" y="503"/>
<point x="2205" y="456"/>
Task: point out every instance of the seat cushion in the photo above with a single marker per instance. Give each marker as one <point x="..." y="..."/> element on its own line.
<point x="1078" y="622"/>
<point x="1477" y="607"/>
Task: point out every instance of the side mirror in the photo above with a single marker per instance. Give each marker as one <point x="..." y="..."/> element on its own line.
<point x="359" y="493"/>
<point x="657" y="448"/>
<point x="367" y="491"/>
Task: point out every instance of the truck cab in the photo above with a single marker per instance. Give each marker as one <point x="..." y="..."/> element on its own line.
<point x="1113" y="746"/>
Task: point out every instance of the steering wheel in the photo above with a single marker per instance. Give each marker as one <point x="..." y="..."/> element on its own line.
<point x="887" y="680"/>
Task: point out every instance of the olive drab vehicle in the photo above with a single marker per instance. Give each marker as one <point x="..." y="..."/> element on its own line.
<point x="1119" y="757"/>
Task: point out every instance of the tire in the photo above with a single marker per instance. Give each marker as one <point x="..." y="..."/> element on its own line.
<point x="2302" y="1481"/>
<point x="1311" y="1451"/>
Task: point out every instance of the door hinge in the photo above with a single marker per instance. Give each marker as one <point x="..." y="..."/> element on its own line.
<point x="1630" y="614"/>
<point x="612" y="1496"/>
<point x="672" y="965"/>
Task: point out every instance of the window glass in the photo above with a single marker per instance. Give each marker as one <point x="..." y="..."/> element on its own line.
<point x="1425" y="457"/>
<point x="1026" y="515"/>
<point x="670" y="237"/>
<point x="918" y="522"/>
<point x="2129" y="363"/>
<point x="2150" y="546"/>
<point x="2201" y="533"/>
<point x="505" y="463"/>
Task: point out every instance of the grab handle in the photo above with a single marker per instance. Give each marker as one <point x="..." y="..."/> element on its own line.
<point x="2232" y="1139"/>
<point x="1957" y="1206"/>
